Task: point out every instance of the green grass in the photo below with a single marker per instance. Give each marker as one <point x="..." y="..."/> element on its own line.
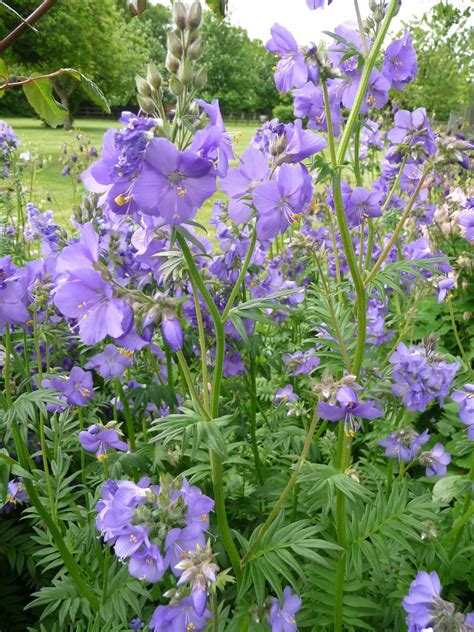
<point x="46" y="146"/>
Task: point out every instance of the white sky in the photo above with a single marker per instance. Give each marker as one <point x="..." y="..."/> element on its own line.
<point x="257" y="16"/>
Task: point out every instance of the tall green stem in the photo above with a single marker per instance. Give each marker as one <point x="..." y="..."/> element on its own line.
<point x="399" y="227"/>
<point x="127" y="412"/>
<point x="253" y="420"/>
<point x="241" y="277"/>
<point x="202" y="344"/>
<point x="458" y="337"/>
<point x="216" y="462"/>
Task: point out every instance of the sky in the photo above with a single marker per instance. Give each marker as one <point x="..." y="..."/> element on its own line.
<point x="257" y="16"/>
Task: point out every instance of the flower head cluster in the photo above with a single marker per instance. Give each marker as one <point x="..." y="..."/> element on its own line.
<point x="404" y="444"/>
<point x="8" y="143"/>
<point x="426" y="609"/>
<point x="13" y="294"/>
<point x="420" y="376"/>
<point x="43" y="227"/>
<point x="154" y="527"/>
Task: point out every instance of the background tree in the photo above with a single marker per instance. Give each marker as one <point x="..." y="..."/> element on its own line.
<point x="93" y="37"/>
<point x="443" y="39"/>
<point x="239" y="69"/>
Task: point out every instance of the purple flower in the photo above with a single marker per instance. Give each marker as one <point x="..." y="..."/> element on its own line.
<point x="112" y="362"/>
<point x="214" y="142"/>
<point x="13" y="294"/>
<point x="87" y="297"/>
<point x="147" y="564"/>
<point x="180" y="542"/>
<point x="172" y="331"/>
<point x="173" y="184"/>
<point x="309" y="103"/>
<point x="420" y="377"/>
<point x="348" y="408"/>
<point x="77" y="388"/>
<point x="282" y="615"/>
<point x="338" y="51"/>
<point x="178" y="618"/>
<point x="404" y="445"/>
<point x="285" y="394"/>
<point x="233" y="364"/>
<point x="465" y="399"/>
<point x="444" y="285"/>
<point x="300" y="363"/>
<point x="376" y="95"/>
<point x="413" y="128"/>
<point x="253" y="169"/>
<point x="15" y="494"/>
<point x="435" y="460"/>
<point x="291" y="71"/>
<point x="99" y="439"/>
<point x="425" y="589"/>
<point x="279" y="201"/>
<point x="400" y="65"/>
<point x="466" y="220"/>
<point x="362" y="204"/>
<point x="136" y="624"/>
<point x="299" y="143"/>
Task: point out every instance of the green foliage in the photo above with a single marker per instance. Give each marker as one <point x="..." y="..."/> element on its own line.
<point x="239" y="69"/>
<point x="443" y="40"/>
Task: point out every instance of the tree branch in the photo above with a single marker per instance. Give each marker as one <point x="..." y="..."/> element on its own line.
<point x="31" y="19"/>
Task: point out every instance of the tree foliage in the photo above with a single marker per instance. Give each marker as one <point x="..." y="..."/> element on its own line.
<point x="443" y="39"/>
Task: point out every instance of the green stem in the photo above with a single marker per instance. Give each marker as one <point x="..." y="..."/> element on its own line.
<point x="398" y="228"/>
<point x="361" y="29"/>
<point x="284" y="495"/>
<point x="190" y="384"/>
<point x="216" y="462"/>
<point x="202" y="344"/>
<point x="364" y="81"/>
<point x="7" y="367"/>
<point x="83" y="461"/>
<point x="253" y="421"/>
<point x="70" y="563"/>
<point x="126" y="411"/>
<point x="458" y="337"/>
<point x="241" y="277"/>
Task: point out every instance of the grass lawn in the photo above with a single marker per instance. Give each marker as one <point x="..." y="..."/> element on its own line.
<point x="46" y="145"/>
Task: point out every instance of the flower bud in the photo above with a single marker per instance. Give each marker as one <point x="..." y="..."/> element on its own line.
<point x="195" y="50"/>
<point x="172" y="64"/>
<point x="143" y="87"/>
<point x="179" y="15"/>
<point x="146" y="104"/>
<point x="192" y="37"/>
<point x="136" y="7"/>
<point x="193" y="19"/>
<point x="153" y="76"/>
<point x="175" y="86"/>
<point x="200" y="78"/>
<point x="174" y="45"/>
<point x="185" y="72"/>
<point x="172" y="331"/>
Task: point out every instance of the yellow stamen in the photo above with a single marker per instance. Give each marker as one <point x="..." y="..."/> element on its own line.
<point x="121" y="200"/>
<point x="102" y="457"/>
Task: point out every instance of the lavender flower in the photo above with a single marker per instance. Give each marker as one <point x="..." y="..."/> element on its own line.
<point x="291" y="71"/>
<point x="435" y="460"/>
<point x="420" y="377"/>
<point x="178" y="618"/>
<point x="427" y="610"/>
<point x="301" y="363"/>
<point x="348" y="408"/>
<point x="77" y="388"/>
<point x="99" y="439"/>
<point x="8" y="143"/>
<point x="280" y="201"/>
<point x="404" y="445"/>
<point x="400" y="65"/>
<point x="363" y="204"/>
<point x="173" y="184"/>
<point x="282" y="615"/>
<point x="309" y="103"/>
<point x="465" y="399"/>
<point x="413" y="130"/>
<point x="172" y="331"/>
<point x="16" y="494"/>
<point x="112" y="362"/>
<point x="285" y="394"/>
<point x="13" y="294"/>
